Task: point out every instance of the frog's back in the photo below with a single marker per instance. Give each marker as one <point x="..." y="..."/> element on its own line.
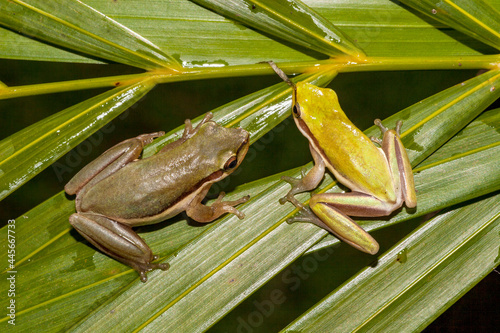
<point x="348" y="152"/>
<point x="148" y="187"/>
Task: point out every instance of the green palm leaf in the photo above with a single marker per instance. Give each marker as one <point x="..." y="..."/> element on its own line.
<point x="28" y="152"/>
<point x="402" y="298"/>
<point x="216" y="267"/>
<point x="73" y="25"/>
<point x="474" y="18"/>
<point x="301" y="25"/>
<point x="384" y="28"/>
<point x="264" y="236"/>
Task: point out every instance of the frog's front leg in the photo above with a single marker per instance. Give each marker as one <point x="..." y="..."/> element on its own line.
<point x="109" y="162"/>
<point x="118" y="241"/>
<point x="204" y="214"/>
<point x="308" y="182"/>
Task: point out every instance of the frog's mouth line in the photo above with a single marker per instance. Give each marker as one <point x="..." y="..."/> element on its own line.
<point x="219" y="174"/>
<point x="310" y="137"/>
<point x="242" y="151"/>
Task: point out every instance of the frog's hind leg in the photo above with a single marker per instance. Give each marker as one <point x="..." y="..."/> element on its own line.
<point x="399" y="163"/>
<point x="118" y="241"/>
<point x="356" y="203"/>
<point x="109" y="162"/>
<point x="330" y="211"/>
<point x="342" y="226"/>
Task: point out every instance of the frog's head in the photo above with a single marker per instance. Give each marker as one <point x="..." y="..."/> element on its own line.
<point x="224" y="147"/>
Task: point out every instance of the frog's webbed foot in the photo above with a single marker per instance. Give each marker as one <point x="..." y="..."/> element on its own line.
<point x="220" y="207"/>
<point x="297" y="187"/>
<point x="148" y="138"/>
<point x="306" y="215"/>
<point x="204" y="214"/>
<point x="386" y="132"/>
<point x="384" y="129"/>
<point x="144" y="268"/>
<point x="308" y="181"/>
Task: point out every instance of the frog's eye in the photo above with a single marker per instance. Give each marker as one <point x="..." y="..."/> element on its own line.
<point x="231" y="163"/>
<point x="296" y="110"/>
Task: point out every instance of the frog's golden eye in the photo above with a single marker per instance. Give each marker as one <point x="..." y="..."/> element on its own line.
<point x="296" y="110"/>
<point x="231" y="163"/>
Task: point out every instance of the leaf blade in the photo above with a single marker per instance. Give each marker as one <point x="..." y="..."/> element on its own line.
<point x="29" y="151"/>
<point x="74" y="25"/>
<point x="474" y="18"/>
<point x="126" y="280"/>
<point x="192" y="34"/>
<point x="400" y="287"/>
<point x="291" y="21"/>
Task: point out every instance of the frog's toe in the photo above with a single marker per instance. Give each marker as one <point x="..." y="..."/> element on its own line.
<point x="305" y="215"/>
<point x="290" y="180"/>
<point x="162" y="266"/>
<point x="148" y="138"/>
<point x="143" y="276"/>
<point x="286" y="198"/>
<point x="144" y="268"/>
<point x="399" y="124"/>
<point x="376" y="140"/>
<point x="243" y="199"/>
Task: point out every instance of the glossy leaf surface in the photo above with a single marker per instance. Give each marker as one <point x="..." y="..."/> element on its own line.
<point x="193" y="33"/>
<point x="413" y="282"/>
<point x="228" y="273"/>
<point x="292" y="21"/>
<point x="29" y="151"/>
<point x="76" y="26"/>
<point x="475" y="18"/>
